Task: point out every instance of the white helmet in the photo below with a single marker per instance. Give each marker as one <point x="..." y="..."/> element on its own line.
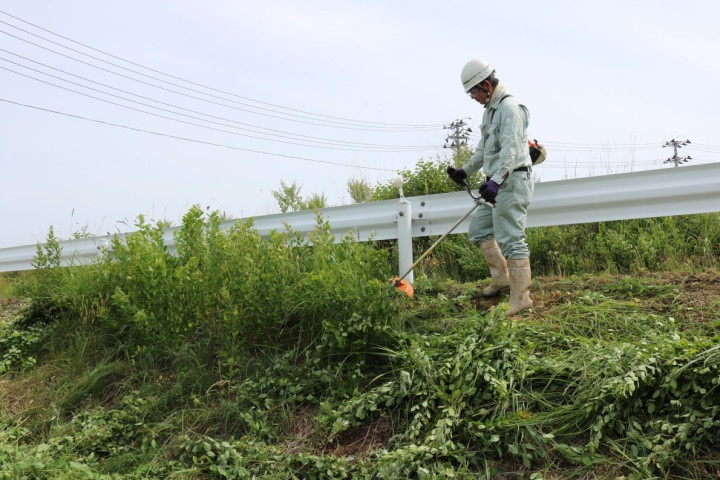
<point x="474" y="72"/>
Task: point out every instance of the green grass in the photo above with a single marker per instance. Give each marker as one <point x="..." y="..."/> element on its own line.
<point x="6" y="288"/>
<point x="307" y="364"/>
<point x="603" y="379"/>
<point x="688" y="243"/>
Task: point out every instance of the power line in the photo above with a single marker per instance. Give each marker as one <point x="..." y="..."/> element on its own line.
<point x="617" y="148"/>
<point x="584" y="147"/>
<point x="176" y="137"/>
<point x="198" y="84"/>
<point x="186" y="122"/>
<point x="596" y="144"/>
<point x="704" y="148"/>
<point x="278" y="133"/>
<point x="190" y="139"/>
<point x="339" y="126"/>
<point x="597" y="150"/>
<point x="354" y="125"/>
<point x="377" y="125"/>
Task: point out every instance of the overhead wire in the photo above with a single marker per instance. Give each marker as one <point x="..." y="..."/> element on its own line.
<point x="359" y="124"/>
<point x="198" y="84"/>
<point x="338" y="126"/>
<point x="550" y="142"/>
<point x="610" y="149"/>
<point x="186" y="122"/>
<point x="703" y="148"/>
<point x="602" y="149"/>
<point x="177" y="137"/>
<point x="581" y="147"/>
<point x="275" y="132"/>
<point x="333" y="122"/>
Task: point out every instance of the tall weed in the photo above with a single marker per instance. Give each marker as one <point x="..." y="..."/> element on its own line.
<point x="233" y="287"/>
<point x="627" y="246"/>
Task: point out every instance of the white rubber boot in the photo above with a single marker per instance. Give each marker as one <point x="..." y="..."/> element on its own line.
<point x="498" y="269"/>
<point x="520" y="279"/>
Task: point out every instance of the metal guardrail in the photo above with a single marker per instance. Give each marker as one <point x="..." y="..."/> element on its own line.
<point x="653" y="193"/>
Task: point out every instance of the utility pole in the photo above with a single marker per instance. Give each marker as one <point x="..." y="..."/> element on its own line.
<point x="677" y="144"/>
<point x="458" y="137"/>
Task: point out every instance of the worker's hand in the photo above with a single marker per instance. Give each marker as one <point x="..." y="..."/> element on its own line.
<point x="457" y="175"/>
<point x="488" y="191"/>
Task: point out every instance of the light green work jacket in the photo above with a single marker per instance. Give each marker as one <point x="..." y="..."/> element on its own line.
<point x="503" y="145"/>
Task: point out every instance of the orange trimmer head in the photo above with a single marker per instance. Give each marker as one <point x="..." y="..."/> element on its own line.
<point x="404" y="286"/>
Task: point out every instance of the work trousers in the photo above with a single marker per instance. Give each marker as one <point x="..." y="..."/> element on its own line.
<point x="506" y="222"/>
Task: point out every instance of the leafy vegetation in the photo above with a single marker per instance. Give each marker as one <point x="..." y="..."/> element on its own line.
<point x="211" y="364"/>
<point x="235" y="357"/>
<point x="289" y="198"/>
<point x="625" y="246"/>
<point x="6" y="289"/>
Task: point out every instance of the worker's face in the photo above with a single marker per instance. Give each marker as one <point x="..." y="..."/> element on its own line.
<point x="478" y="94"/>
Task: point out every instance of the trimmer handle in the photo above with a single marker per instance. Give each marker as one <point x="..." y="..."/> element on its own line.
<point x="478" y="199"/>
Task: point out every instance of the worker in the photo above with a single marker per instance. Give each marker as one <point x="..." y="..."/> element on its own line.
<point x="503" y="155"/>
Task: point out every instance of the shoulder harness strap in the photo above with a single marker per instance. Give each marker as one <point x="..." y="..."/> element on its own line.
<point x="492" y="115"/>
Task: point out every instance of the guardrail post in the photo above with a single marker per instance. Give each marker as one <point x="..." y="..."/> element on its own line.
<point x="404" y="218"/>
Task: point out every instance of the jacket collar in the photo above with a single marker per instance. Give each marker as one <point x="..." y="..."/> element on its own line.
<point x="497" y="95"/>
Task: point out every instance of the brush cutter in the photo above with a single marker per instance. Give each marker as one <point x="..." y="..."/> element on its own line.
<point x="405" y="286"/>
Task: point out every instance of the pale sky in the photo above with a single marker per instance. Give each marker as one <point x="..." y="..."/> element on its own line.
<point x="328" y="90"/>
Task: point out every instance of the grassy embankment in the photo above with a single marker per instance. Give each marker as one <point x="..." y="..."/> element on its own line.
<point x="247" y="359"/>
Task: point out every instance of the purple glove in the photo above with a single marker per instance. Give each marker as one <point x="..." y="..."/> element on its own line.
<point x="457" y="175"/>
<point x="488" y="191"/>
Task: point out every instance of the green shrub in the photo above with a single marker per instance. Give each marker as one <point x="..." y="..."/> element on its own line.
<point x="234" y="287"/>
<point x="626" y="246"/>
<point x="20" y="346"/>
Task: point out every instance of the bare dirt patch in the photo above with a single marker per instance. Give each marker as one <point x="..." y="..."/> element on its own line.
<point x="361" y="441"/>
<point x="9" y="308"/>
<point x="301" y="431"/>
<point x="19" y="396"/>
